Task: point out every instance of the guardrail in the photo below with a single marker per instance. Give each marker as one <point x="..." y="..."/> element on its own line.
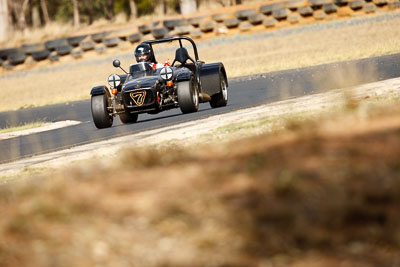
<point x="267" y="16"/>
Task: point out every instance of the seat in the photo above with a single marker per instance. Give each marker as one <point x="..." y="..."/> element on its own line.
<point x="181" y="56"/>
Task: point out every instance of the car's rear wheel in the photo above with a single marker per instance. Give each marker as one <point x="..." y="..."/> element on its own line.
<point x="128" y="117"/>
<point x="100" y="114"/>
<point x="220" y="99"/>
<point x="188" y="96"/>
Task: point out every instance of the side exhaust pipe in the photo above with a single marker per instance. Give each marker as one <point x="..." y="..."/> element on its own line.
<point x="203" y="97"/>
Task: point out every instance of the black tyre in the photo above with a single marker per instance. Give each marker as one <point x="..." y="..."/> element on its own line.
<point x="220" y="99"/>
<point x="87" y="45"/>
<point x="30" y="49"/>
<point x="171" y="24"/>
<point x="98" y="37"/>
<point x="188" y="96"/>
<point x="53" y="44"/>
<point x="128" y="117"/>
<point x="63" y="50"/>
<point x="4" y="53"/>
<point x="207" y="26"/>
<point x="144" y="29"/>
<point x="101" y="117"/>
<point x="159" y="33"/>
<point x="111" y="42"/>
<point x="75" y="40"/>
<point x="41" y="55"/>
<point x="16" y="58"/>
<point x="133" y="38"/>
<point x="231" y="23"/>
<point x="195" y="22"/>
<point x="244" y="14"/>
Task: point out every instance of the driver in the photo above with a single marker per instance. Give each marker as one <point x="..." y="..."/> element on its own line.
<point x="144" y="53"/>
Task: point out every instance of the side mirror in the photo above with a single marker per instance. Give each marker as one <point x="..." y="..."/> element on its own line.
<point x="116" y="63"/>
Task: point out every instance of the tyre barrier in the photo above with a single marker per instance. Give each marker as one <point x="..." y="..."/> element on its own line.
<point x="330" y="8"/>
<point x="293" y="5"/>
<point x="40" y="55"/>
<point x="305" y="11"/>
<point x="256" y="19"/>
<point x="171" y="24"/>
<point x="133" y="38"/>
<point x="7" y="66"/>
<point x="87" y="45"/>
<point x="318" y="3"/>
<point x="369" y="8"/>
<point x="54" y="56"/>
<point x="231" y="23"/>
<point x="294" y="18"/>
<point x="340" y="2"/>
<point x="207" y="26"/>
<point x="394" y="5"/>
<point x="53" y="44"/>
<point x="183" y="30"/>
<point x="4" y="53"/>
<point x="63" y="50"/>
<point x="195" y="22"/>
<point x="269" y="15"/>
<point x="356" y="4"/>
<point x="269" y="22"/>
<point x="379" y="2"/>
<point x="29" y="49"/>
<point x="144" y="29"/>
<point x="319" y="14"/>
<point x="77" y="53"/>
<point x="30" y="61"/>
<point x="16" y="58"/>
<point x="75" y="40"/>
<point x="244" y="14"/>
<point x="99" y="37"/>
<point x="111" y="42"/>
<point x="281" y="14"/>
<point x="100" y="49"/>
<point x="267" y="9"/>
<point x="245" y="26"/>
<point x="159" y="33"/>
<point x="220" y="17"/>
<point x="196" y="33"/>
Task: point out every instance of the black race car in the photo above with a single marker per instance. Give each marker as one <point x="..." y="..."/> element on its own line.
<point x="184" y="84"/>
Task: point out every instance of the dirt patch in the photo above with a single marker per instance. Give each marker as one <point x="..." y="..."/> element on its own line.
<point x="323" y="192"/>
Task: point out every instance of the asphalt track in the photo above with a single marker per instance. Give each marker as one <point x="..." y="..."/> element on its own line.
<point x="243" y="92"/>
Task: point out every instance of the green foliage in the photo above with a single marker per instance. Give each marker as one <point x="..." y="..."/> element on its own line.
<point x="122" y="6"/>
<point x="145" y="6"/>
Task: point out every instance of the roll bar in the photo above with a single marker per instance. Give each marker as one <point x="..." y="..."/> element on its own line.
<point x="171" y="39"/>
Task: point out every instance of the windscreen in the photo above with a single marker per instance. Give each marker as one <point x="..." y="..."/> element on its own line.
<point x="141" y="69"/>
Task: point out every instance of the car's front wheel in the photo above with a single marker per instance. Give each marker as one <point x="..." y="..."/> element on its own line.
<point x="128" y="117"/>
<point x="101" y="117"/>
<point x="188" y="96"/>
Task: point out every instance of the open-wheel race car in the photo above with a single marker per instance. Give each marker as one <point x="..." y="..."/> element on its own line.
<point x="145" y="89"/>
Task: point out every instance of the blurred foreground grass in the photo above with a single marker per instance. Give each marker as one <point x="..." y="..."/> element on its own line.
<point x="241" y="57"/>
<point x="323" y="192"/>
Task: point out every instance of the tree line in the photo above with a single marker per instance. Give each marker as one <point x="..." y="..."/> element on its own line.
<point x="20" y="14"/>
